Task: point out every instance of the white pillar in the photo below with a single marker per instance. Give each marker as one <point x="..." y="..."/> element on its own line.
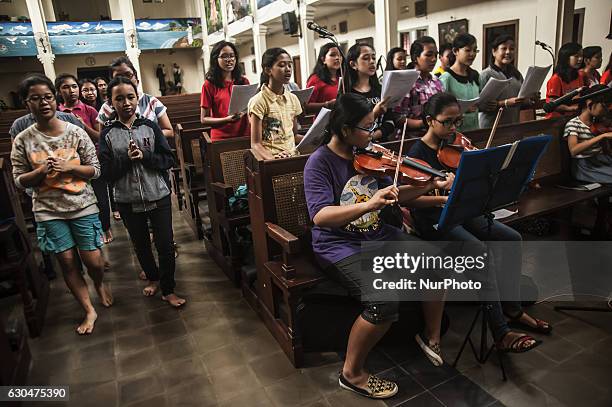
<point x="45" y="53"/>
<point x="48" y="9"/>
<point x="259" y="43"/>
<point x="308" y="57"/>
<point x="131" y="37"/>
<point x="386" y="25"/>
<point x="201" y="14"/>
<point x="224" y="5"/>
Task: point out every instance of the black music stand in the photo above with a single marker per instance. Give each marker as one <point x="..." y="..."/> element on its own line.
<point x="487" y="180"/>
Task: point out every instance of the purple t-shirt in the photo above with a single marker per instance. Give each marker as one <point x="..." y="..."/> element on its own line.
<point x="331" y="180"/>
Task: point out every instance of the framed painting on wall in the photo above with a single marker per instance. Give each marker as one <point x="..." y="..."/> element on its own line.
<point x="449" y="30"/>
<point x="491" y="31"/>
<point x="367" y="40"/>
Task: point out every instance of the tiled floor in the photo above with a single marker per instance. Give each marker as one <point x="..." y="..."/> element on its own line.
<point x="216" y="352"/>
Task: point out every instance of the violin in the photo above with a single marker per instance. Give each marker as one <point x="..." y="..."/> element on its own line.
<point x="379" y="162"/>
<point x="601" y="127"/>
<point x="449" y="153"/>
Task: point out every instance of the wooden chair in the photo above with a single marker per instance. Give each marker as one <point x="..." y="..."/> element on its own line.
<point x="225" y="172"/>
<point x="16" y="256"/>
<point x="191" y="161"/>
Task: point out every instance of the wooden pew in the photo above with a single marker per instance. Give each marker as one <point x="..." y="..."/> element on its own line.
<point x="193" y="181"/>
<point x="224" y="173"/>
<point x="280" y="223"/>
<point x="15" y="235"/>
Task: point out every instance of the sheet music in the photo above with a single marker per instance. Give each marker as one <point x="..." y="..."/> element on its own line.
<point x="492" y="90"/>
<point x="397" y="84"/>
<point x="241" y="94"/>
<point x="464" y="105"/>
<point x="303" y="94"/>
<point x="503" y="213"/>
<point x="315" y="133"/>
<point x="533" y="80"/>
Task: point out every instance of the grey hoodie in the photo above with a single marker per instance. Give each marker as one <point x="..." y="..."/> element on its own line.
<point x="136" y="182"/>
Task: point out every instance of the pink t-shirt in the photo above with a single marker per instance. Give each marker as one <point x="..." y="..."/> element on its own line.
<point x="88" y="114"/>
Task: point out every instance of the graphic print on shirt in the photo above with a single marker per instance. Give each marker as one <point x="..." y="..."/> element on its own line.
<point x="358" y="189"/>
<point x="65" y="181"/>
<point x="271" y="127"/>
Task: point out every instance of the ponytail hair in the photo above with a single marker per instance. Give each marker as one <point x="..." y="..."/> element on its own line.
<point x="417" y="48"/>
<point x="267" y="61"/>
<point x="349" y="109"/>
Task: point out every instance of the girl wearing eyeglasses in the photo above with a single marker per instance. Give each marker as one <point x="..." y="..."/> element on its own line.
<point x="57" y="160"/>
<point x="443" y="117"/>
<point x="345" y="208"/>
<point x="223" y="74"/>
<point x="461" y="80"/>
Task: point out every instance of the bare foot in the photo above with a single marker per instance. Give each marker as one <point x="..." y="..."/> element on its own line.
<point x="107" y="237"/>
<point x="174" y="300"/>
<point x="87" y="325"/>
<point x="151" y="289"/>
<point x="104" y="292"/>
<point x="142" y="275"/>
<point x="360" y="380"/>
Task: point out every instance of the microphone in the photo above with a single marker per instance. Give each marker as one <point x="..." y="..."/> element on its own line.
<point x="563" y="100"/>
<point x="318" y="29"/>
<point x="543" y="45"/>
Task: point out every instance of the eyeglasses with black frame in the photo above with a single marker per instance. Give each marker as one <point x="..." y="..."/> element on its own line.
<point x="49" y="97"/>
<point x="375" y="126"/>
<point x="458" y="122"/>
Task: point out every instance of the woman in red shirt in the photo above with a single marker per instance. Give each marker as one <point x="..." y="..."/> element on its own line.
<point x="324" y="78"/>
<point x="223" y="74"/>
<point x="567" y="77"/>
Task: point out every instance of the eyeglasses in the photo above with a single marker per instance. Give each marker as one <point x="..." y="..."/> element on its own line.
<point x="227" y="57"/>
<point x="371" y="130"/>
<point x="37" y="98"/>
<point x="449" y="122"/>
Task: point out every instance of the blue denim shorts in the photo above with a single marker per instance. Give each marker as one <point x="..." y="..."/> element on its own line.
<point x="59" y="235"/>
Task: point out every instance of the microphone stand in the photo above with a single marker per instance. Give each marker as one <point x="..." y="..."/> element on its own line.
<point x="549" y="50"/>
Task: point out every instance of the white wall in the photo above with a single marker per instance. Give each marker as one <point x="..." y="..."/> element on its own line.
<point x="81" y="10"/>
<point x="70" y="63"/>
<point x="596" y="25"/>
<point x="168" y="9"/>
<point x="193" y="76"/>
<point x="17" y="8"/>
<point x="13" y="71"/>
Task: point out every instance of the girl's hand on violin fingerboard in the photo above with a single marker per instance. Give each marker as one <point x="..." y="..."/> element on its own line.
<point x="445" y="184"/>
<point x="384" y="197"/>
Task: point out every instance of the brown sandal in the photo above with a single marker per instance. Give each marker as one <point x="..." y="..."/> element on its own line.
<point x="519" y="345"/>
<point x="542" y="327"/>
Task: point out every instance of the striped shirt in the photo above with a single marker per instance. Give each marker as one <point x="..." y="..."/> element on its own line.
<point x="149" y="107"/>
<point x="576" y="127"/>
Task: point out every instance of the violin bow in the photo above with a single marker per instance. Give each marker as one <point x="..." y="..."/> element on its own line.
<point x="399" y="157"/>
<point x="494" y="129"/>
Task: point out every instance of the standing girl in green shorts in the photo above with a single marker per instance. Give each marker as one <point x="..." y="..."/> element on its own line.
<point x="57" y="159"/>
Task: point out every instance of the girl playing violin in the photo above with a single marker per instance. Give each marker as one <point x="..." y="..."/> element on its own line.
<point x="345" y="206"/>
<point x="590" y="163"/>
<point x="442" y="117"/>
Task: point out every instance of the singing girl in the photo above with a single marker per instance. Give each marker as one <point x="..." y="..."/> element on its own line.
<point x="223" y="74"/>
<point x="273" y="111"/>
<point x="324" y="78"/>
<point x="566" y="77"/>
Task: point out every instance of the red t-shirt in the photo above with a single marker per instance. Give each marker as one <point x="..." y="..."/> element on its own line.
<point x="218" y="100"/>
<point x="606" y="77"/>
<point x="555" y="88"/>
<point x="322" y="91"/>
<point x="85" y="112"/>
